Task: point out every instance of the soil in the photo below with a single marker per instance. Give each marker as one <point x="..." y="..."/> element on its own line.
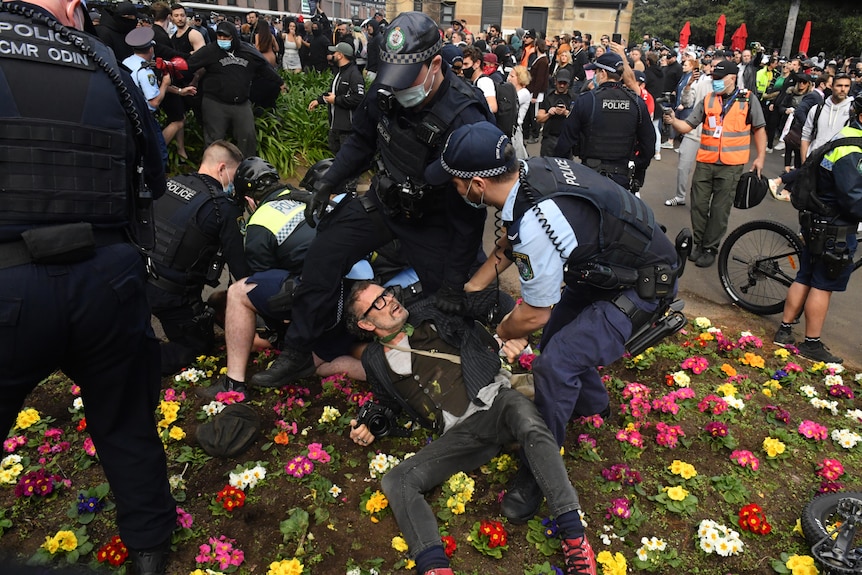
<point x="341" y="535"/>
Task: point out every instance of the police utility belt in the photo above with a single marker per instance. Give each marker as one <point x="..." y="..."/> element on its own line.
<point x="827" y="242"/>
<point x="407" y="199"/>
<point x="57" y="245"/>
<point x="650" y="282"/>
<point x="621" y="168"/>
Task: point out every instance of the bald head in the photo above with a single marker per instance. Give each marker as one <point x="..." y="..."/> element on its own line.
<point x="69" y="13"/>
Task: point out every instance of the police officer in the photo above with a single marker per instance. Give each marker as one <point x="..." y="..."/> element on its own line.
<point x="67" y="267"/>
<point x="403" y="123"/>
<point x="564" y="223"/>
<point x="141" y="41"/>
<point x="839" y="186"/>
<point x="609" y="127"/>
<point x="199" y="223"/>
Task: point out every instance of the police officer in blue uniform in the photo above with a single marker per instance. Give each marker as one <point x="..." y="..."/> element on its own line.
<point x="564" y="223"/>
<point x="70" y="199"/>
<point x="400" y="127"/>
<point x="199" y="222"/>
<point x="609" y="127"/>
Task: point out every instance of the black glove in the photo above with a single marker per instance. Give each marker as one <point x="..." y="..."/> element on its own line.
<point x="319" y="200"/>
<point x="450" y="299"/>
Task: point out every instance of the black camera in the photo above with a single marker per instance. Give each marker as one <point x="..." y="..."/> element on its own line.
<point x="378" y="419"/>
<point x="666" y="101"/>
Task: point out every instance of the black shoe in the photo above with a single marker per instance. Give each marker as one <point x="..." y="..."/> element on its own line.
<point x="695" y="254"/>
<point x="816" y="351"/>
<point x="784" y="336"/>
<point x="288" y="367"/>
<point x="706" y="259"/>
<point x="152" y="562"/>
<point x="523" y="497"/>
<point x="221" y="385"/>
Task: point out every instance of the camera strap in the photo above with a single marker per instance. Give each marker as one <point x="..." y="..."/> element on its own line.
<point x="440" y="355"/>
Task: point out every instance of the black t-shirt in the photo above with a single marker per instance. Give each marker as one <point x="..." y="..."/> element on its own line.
<point x="554" y="123"/>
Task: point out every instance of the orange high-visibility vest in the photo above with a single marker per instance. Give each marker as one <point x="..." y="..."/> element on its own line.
<point x="732" y="145"/>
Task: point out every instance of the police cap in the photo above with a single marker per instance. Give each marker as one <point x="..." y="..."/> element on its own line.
<point x="409" y="41"/>
<point x="609" y="62"/>
<point x="473" y="150"/>
<point x="140" y="38"/>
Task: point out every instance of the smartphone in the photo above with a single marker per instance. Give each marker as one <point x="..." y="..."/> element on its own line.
<point x="617" y="38"/>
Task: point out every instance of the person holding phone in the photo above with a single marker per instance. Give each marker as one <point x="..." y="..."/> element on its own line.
<point x="553" y="112"/>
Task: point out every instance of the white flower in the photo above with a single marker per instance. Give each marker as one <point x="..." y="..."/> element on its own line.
<point x="335" y="491"/>
<point x="714" y="330"/>
<point x="831" y="380"/>
<point x="834" y="368"/>
<point x="581" y="514"/>
<point x="702" y="322"/>
<point x="846" y="438"/>
<point x="824" y="404"/>
<point x="642" y="553"/>
<point x="213" y="408"/>
<point x="10" y="460"/>
<point x="259" y="472"/>
<point x="681" y="378"/>
<point x="734" y="402"/>
<point x="190" y="375"/>
<point x="707" y="545"/>
<point x="235" y="480"/>
<point x="854" y="414"/>
<point x="177" y="482"/>
<point x="858" y="377"/>
<point x="808" y="391"/>
<point x="77" y="404"/>
<point x="745" y="334"/>
<point x="354" y="571"/>
<point x="605" y="539"/>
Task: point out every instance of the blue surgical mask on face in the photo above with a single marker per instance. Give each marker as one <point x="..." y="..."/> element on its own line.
<point x="414" y="95"/>
<point x="474" y="204"/>
<point x="224" y="44"/>
<point x="718" y="86"/>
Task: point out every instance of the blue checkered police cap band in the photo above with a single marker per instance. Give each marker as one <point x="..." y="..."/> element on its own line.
<point x="417" y="58"/>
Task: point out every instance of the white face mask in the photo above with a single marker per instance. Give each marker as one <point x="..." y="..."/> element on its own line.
<point x="481" y="203"/>
<point x="414" y="95"/>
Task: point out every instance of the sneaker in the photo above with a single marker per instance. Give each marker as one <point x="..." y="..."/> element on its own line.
<point x="706" y="259"/>
<point x="523" y="497"/>
<point x="221" y="385"/>
<point x="784" y="336"/>
<point x="440" y="571"/>
<point x="657" y="157"/>
<point x="816" y="351"/>
<point x="289" y="366"/>
<point x="768" y="150"/>
<point x="668" y="145"/>
<point x="674" y="202"/>
<point x="152" y="562"/>
<point x="779" y="146"/>
<point x="580" y="557"/>
<point x="695" y="254"/>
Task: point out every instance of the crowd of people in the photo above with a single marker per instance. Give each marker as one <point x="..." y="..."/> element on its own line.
<point x="444" y="124"/>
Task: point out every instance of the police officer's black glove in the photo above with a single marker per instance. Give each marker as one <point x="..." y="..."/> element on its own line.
<point x="450" y="299"/>
<point x="319" y="200"/>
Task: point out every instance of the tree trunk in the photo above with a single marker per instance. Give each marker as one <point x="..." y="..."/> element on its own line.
<point x="792" y="14"/>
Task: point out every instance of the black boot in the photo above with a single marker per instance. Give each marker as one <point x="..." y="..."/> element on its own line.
<point x="152" y="561"/>
<point x="289" y="366"/>
<point x="221" y="385"/>
<point x="523" y="497"/>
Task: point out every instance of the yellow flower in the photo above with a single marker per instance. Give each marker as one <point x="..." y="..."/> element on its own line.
<point x="377" y="502"/>
<point x="285" y="567"/>
<point x="773" y="447"/>
<point x="399" y="544"/>
<point x="26" y="418"/>
<point x="726" y="389"/>
<point x="817" y="367"/>
<point x="66" y="540"/>
<point x="612" y="564"/>
<point x="411" y="564"/>
<point x="51" y="545"/>
<point x="753" y="360"/>
<point x="683" y="469"/>
<point x="177" y="433"/>
<point x="767" y="392"/>
<point x="801" y="565"/>
<point x="198" y="572"/>
<point x="782" y="353"/>
<point x="170" y="410"/>
<point x="676" y="493"/>
<point x="706" y="336"/>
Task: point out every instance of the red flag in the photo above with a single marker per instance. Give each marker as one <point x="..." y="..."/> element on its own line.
<point x="737" y="42"/>
<point x="806" y="38"/>
<point x="719" y="30"/>
<point x="684" y="35"/>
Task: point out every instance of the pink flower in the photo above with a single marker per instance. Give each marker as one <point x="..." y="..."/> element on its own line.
<point x="584" y="440"/>
<point x="813" y="430"/>
<point x="713" y="404"/>
<point x="13" y="443"/>
<point x="830" y="469"/>
<point x="172" y="395"/>
<point x="526" y="360"/>
<point x="697" y="364"/>
<point x="184" y="518"/>
<point x="75" y="389"/>
<point x="594" y="420"/>
<point x="89" y="448"/>
<point x="317" y="453"/>
<point x="634" y="389"/>
<point x="668" y="434"/>
<point x="619" y="508"/>
<point x="749" y="340"/>
<point x="228" y="397"/>
<point x="795" y="367"/>
<point x="745" y="458"/>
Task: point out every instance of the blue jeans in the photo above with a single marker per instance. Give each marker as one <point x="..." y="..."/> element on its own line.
<point x="465" y="447"/>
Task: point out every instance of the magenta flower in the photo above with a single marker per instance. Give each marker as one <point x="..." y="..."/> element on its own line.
<point x="713" y="404"/>
<point x="813" y="430"/>
<point x="635" y="389"/>
<point x="13" y="443"/>
<point x="317" y="453"/>
<point x="526" y="360"/>
<point x="184" y="518"/>
<point x="619" y="508"/>
<point x="749" y="341"/>
<point x="668" y="435"/>
<point x="89" y="448"/>
<point x="793" y="367"/>
<point x="299" y="466"/>
<point x="841" y="391"/>
<point x="622" y="474"/>
<point x="633" y="438"/>
<point x="830" y="469"/>
<point x="830" y="487"/>
<point x="716" y="429"/>
<point x="584" y="440"/>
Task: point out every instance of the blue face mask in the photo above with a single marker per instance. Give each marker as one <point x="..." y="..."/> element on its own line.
<point x="718" y="86"/>
<point x="229" y="190"/>
<point x="474" y="204"/>
<point x="595" y="82"/>
<point x="414" y="95"/>
<point x="225" y="44"/>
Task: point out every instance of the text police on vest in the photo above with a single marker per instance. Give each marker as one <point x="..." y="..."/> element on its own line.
<point x="616" y="104"/>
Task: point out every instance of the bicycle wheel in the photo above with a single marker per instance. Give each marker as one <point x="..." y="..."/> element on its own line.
<point x="821" y="518"/>
<point x="757" y="263"/>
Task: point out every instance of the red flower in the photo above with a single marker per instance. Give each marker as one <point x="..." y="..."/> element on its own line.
<point x="82" y="425"/>
<point x="449" y="545"/>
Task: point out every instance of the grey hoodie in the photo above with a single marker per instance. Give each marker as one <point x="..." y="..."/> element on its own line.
<point x="832" y="118"/>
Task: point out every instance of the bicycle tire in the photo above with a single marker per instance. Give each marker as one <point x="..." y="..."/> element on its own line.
<point x="757" y="263"/>
<point x="818" y="514"/>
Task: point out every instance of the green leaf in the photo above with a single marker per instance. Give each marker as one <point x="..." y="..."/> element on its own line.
<point x="295" y="525"/>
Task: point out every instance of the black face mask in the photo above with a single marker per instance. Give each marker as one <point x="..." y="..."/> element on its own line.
<point x="315" y="31"/>
<point x="827" y="92"/>
<point x="468" y="72"/>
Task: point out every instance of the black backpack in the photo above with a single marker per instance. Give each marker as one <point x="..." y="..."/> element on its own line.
<point x="803" y="189"/>
<point x="507" y="106"/>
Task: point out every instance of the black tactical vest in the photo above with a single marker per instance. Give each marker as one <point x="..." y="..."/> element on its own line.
<point x="613" y="126"/>
<point x="59" y="163"/>
<point x="180" y="243"/>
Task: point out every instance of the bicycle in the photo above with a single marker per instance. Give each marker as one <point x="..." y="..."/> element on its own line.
<point x="829" y="523"/>
<point x="757" y="263"/>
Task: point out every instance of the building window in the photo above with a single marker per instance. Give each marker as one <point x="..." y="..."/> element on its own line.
<point x="231" y="2"/>
<point x="417" y="5"/>
<point x="447" y="13"/>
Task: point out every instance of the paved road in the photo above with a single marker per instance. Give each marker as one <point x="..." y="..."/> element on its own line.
<point x="841" y="332"/>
